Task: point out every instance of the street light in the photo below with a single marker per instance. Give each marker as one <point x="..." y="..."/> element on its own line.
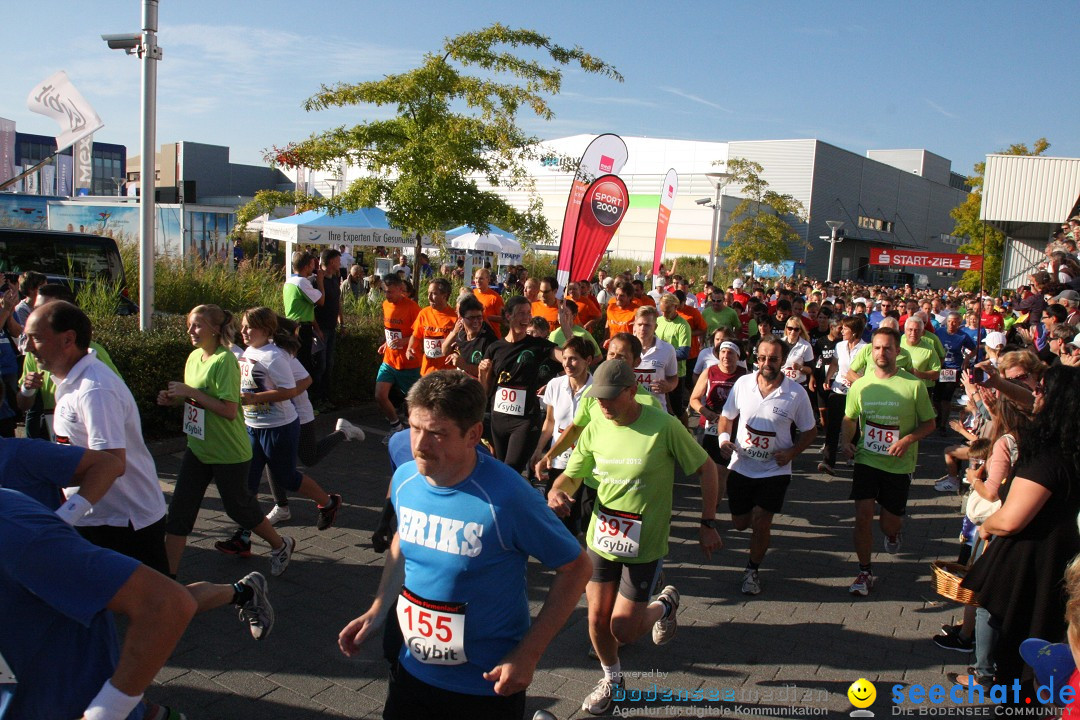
<point x="719" y="181"/>
<point x="834" y="237"/>
<point x="145" y="45"/>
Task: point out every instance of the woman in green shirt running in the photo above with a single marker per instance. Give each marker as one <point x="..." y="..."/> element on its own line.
<point x="219" y="449"/>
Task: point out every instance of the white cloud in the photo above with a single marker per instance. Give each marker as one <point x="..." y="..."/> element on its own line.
<point x="695" y="98"/>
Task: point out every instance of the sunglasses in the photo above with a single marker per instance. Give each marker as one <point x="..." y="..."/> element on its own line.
<point x="767" y="359"/>
<point x="1018" y="379"/>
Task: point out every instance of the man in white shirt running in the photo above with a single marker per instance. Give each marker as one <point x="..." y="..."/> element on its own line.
<point x="95" y="410"/>
<point x="771" y="407"/>
<point x="658" y="371"/>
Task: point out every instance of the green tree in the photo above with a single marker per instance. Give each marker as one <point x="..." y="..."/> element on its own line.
<point x="982" y="239"/>
<point x="761" y="231"/>
<point x="450" y="128"/>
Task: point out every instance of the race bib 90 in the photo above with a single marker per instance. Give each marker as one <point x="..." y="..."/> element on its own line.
<point x="433" y="630"/>
<point x="510" y="401"/>
<point x="879" y="438"/>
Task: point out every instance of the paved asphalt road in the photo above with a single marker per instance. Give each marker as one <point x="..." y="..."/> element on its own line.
<point x="792" y="651"/>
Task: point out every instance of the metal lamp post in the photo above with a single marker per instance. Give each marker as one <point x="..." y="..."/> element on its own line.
<point x="719" y="181"/>
<point x="834" y="237"/>
<point x="145" y="45"/>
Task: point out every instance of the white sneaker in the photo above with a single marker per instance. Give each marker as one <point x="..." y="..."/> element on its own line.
<point x="599" y="700"/>
<point x="279" y="559"/>
<point x="892" y="544"/>
<point x="947" y="484"/>
<point x="665" y="628"/>
<point x="280" y="513"/>
<point x="750" y="583"/>
<point x="863" y="584"/>
<point x="350" y="431"/>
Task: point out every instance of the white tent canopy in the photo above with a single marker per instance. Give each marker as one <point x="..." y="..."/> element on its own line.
<point x="366" y="227"/>
<point x="497" y="241"/>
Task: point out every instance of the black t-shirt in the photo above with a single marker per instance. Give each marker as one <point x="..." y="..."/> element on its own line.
<point x="824" y="351"/>
<point x="472" y="351"/>
<point x="524" y="365"/>
<point x="326" y="314"/>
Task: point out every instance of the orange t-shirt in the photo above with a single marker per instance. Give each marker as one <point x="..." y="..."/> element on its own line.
<point x="493" y="305"/>
<point x="430" y="329"/>
<point x="697" y="325"/>
<point x="542" y="309"/>
<point x="398" y="320"/>
<point x="619" y="320"/>
<point x="645" y="300"/>
<point x="587" y="310"/>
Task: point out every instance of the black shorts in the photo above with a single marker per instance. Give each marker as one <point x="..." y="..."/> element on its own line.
<point x="746" y="493"/>
<point x="407" y="698"/>
<point x="889" y="489"/>
<point x="943" y="391"/>
<point x="637" y="581"/>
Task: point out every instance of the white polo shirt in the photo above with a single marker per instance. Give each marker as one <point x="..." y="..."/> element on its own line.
<point x="765" y="424"/>
<point x="564" y="405"/>
<point x="95" y="410"/>
<point x="657" y="363"/>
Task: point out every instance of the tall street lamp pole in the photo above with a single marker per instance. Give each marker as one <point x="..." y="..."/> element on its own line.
<point x="145" y="45"/>
<point x="719" y="181"/>
<point x="834" y="237"/>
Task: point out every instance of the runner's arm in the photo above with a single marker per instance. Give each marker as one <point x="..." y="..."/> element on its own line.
<point x="848" y="426"/>
<point x="564" y="443"/>
<point x="95" y="474"/>
<point x="514" y="673"/>
<point x="925" y="428"/>
<point x="562" y="491"/>
<point x="698" y="394"/>
<point x="546" y="432"/>
<point x="393" y="577"/>
<point x="224" y="408"/>
<point x="712" y="489"/>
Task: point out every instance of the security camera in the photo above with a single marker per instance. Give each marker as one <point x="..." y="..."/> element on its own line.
<point x="703" y="201"/>
<point x="123" y="41"/>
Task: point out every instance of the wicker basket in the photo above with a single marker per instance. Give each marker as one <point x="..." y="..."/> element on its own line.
<point x="947" y="579"/>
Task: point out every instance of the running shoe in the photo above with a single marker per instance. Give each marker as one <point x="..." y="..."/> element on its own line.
<point x="329" y="513"/>
<point x="863" y="584"/>
<point x="280" y="513"/>
<point x="952" y="629"/>
<point x="955" y="642"/>
<point x="750" y="583"/>
<point x="236" y="545"/>
<point x="257" y="612"/>
<point x="971" y="678"/>
<point x="279" y="559"/>
<point x="665" y="628"/>
<point x="600" y="699"/>
<point x="350" y="431"/>
<point x="893" y="543"/>
<point x="947" y="484"/>
<point x="161" y="712"/>
<point x="826" y="468"/>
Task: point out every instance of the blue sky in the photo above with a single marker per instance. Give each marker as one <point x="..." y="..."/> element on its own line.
<point x="959" y="79"/>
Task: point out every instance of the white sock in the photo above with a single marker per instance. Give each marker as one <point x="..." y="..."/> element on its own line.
<point x="613" y="672"/>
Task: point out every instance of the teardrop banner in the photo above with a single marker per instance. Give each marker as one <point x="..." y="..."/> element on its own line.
<point x="667" y="201"/>
<point x="605" y="154"/>
<point x="602" y="210"/>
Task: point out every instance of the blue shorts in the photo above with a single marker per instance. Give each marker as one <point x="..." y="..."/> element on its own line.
<point x="275" y="449"/>
<point x="404" y="379"/>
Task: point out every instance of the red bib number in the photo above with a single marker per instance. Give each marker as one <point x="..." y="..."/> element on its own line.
<point x="433" y="630"/>
<point x="948" y="375"/>
<point x="433" y="347"/>
<point x="194" y="420"/>
<point x="617" y="532"/>
<point x="757" y="444"/>
<point x="510" y="401"/>
<point x="879" y="438"/>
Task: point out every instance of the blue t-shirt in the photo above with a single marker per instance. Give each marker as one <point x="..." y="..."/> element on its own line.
<point x="469" y="545"/>
<point x="57" y="636"/>
<point x="954" y="347"/>
<point x="38" y="468"/>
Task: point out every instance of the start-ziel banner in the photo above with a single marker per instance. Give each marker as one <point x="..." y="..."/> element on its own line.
<point x="911" y="258"/>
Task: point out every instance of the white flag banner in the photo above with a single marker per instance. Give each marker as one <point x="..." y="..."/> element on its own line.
<point x="57" y="98"/>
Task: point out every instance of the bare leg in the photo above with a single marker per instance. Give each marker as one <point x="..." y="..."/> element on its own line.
<point x="267" y="532"/>
<point x="761" y="535"/>
<point x="382" y="399"/>
<point x="210" y="595"/>
<point x="174" y="550"/>
<point x="311" y="490"/>
<point x="864" y="529"/>
<point x="601" y="599"/>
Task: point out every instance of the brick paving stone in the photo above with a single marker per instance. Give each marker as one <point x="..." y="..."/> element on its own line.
<point x="804" y="630"/>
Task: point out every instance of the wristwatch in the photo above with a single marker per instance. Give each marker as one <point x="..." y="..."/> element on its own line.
<point x="711" y="524"/>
